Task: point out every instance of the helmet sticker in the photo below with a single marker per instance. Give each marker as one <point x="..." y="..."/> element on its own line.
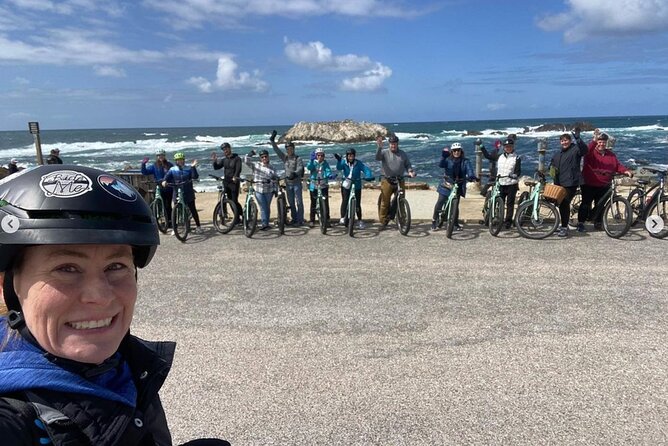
<point x="65" y="184"/>
<point x="117" y="188"/>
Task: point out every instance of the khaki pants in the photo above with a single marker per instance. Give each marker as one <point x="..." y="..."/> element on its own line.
<point x="386" y="190"/>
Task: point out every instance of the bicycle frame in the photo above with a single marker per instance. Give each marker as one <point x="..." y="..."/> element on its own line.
<point x="535" y="194"/>
<point x="446" y="209"/>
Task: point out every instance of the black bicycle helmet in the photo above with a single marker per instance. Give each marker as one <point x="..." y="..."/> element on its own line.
<point x="66" y="204"/>
<point x="351" y="151"/>
<point x="393" y="138"/>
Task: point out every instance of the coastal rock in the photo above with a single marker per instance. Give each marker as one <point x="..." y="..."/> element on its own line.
<point x="346" y="131"/>
<point x="561" y="127"/>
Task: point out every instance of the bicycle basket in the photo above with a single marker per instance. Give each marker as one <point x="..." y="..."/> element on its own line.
<point x="554" y="193"/>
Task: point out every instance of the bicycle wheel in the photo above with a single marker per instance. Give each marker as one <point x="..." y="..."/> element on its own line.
<point x="180" y="221"/>
<point x="496" y="216"/>
<point x="524" y="196"/>
<point x="575" y="208"/>
<point x="282" y="213"/>
<point x="661" y="209"/>
<point x="352" y="208"/>
<point x="543" y="224"/>
<point x="635" y="199"/>
<point x="250" y="219"/>
<point x="452" y="221"/>
<point x="158" y="211"/>
<point x="617" y="217"/>
<point x="224" y="216"/>
<point x="322" y="215"/>
<point x="403" y="215"/>
<point x="485" y="208"/>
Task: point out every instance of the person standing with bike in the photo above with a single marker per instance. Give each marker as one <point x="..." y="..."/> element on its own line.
<point x="320" y="173"/>
<point x="352" y="172"/>
<point x="457" y="170"/>
<point x="509" y="168"/>
<point x="393" y="163"/>
<point x="264" y="177"/>
<point x="294" y="172"/>
<point x="183" y="176"/>
<point x="565" y="170"/>
<point x="231" y="165"/>
<point x="159" y="169"/>
<point x="600" y="164"/>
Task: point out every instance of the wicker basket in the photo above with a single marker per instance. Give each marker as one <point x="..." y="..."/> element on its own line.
<point x="554" y="193"/>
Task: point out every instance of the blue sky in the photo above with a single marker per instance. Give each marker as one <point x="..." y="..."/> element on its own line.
<point x="164" y="63"/>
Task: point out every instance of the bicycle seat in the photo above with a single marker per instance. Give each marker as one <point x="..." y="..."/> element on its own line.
<point x="642" y="182"/>
<point x="530" y="183"/>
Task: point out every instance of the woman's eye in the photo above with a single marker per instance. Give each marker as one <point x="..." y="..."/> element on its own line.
<point x="67" y="269"/>
<point x="117" y="267"/>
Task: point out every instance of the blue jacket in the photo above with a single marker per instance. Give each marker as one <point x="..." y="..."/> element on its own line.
<point x="358" y="168"/>
<point x="318" y="170"/>
<point x="457" y="171"/>
<point x="158" y="172"/>
<point x="186" y="175"/>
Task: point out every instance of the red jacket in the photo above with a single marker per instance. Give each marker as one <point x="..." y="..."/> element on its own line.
<point x="598" y="168"/>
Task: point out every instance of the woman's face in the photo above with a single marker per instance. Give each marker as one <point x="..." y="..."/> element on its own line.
<point x="78" y="300"/>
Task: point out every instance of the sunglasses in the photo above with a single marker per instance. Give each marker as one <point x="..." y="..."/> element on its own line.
<point x="456" y="150"/>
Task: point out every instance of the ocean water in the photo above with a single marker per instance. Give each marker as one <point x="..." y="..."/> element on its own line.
<point x="639" y="140"/>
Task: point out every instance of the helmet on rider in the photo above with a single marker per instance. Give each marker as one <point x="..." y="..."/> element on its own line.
<point x="70" y="205"/>
<point x="351" y="151"/>
<point x="455" y="146"/>
<point x="264" y="152"/>
<point x="160" y="152"/>
<point x="225" y="145"/>
<point x="179" y="156"/>
<point x="319" y="150"/>
<point x="393" y="139"/>
<point x="509" y="142"/>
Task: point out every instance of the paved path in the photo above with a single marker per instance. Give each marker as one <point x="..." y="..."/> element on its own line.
<point x="389" y="340"/>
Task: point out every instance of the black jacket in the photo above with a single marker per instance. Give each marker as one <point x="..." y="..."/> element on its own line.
<point x="566" y="165"/>
<point x="91" y="420"/>
<point x="231" y="167"/>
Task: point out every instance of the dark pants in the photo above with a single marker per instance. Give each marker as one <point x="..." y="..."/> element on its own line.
<point x="591" y="194"/>
<point x="439" y="205"/>
<point x="565" y="206"/>
<point x="507" y="194"/>
<point x="167" y="193"/>
<point x="193" y="212"/>
<point x="345" y="196"/>
<point x="232" y="192"/>
<point x="314" y="201"/>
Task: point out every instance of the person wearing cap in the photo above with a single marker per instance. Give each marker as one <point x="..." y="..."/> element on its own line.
<point x="54" y="157"/>
<point x="181" y="175"/>
<point x="492" y="155"/>
<point x="598" y="168"/>
<point x="457" y="169"/>
<point x="294" y="173"/>
<point x="565" y="170"/>
<point x="352" y="170"/>
<point x="231" y="165"/>
<point x="265" y="179"/>
<point x="159" y="169"/>
<point x="13" y="167"/>
<point x="394" y="162"/>
<point x="319" y="174"/>
<point x="509" y="168"/>
<point x="70" y="370"/>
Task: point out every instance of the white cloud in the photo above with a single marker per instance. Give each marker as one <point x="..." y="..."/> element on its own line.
<point x="227" y="78"/>
<point x="107" y="71"/>
<point x="69" y="7"/>
<point x="370" y="80"/>
<point x="587" y="18"/>
<point x="495" y="106"/>
<point x="193" y="13"/>
<point x="21" y="81"/>
<point x="316" y="56"/>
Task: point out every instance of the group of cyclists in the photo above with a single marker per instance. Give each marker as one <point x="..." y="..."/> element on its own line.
<point x="577" y="164"/>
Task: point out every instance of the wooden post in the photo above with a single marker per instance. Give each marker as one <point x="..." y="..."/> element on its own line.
<point x="542" y="150"/>
<point x="478" y="158"/>
<point x="33" y="127"/>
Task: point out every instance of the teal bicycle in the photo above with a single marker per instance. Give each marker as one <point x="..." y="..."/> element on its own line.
<point x="158" y="210"/>
<point x="250" y="211"/>
<point x="493" y="208"/>
<point x="321" y="208"/>
<point x="448" y="215"/>
<point x="352" y="206"/>
<point x="180" y="214"/>
<point x="536" y="217"/>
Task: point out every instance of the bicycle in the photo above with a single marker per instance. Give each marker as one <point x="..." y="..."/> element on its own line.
<point x="180" y="214"/>
<point x="249" y="213"/>
<point x="616" y="211"/>
<point x="495" y="207"/>
<point x="646" y="196"/>
<point x="657" y="203"/>
<point x="282" y="205"/>
<point x="449" y="208"/>
<point x="321" y="206"/>
<point x="351" y="211"/>
<point x="158" y="210"/>
<point x="222" y="220"/>
<point x="399" y="206"/>
<point x="536" y="217"/>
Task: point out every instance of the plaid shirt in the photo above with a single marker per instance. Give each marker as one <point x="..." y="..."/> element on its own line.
<point x="264" y="176"/>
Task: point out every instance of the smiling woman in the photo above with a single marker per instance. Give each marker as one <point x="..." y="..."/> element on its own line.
<point x="71" y="240"/>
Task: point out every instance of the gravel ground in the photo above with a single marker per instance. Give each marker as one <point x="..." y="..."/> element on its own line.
<point x="383" y="339"/>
